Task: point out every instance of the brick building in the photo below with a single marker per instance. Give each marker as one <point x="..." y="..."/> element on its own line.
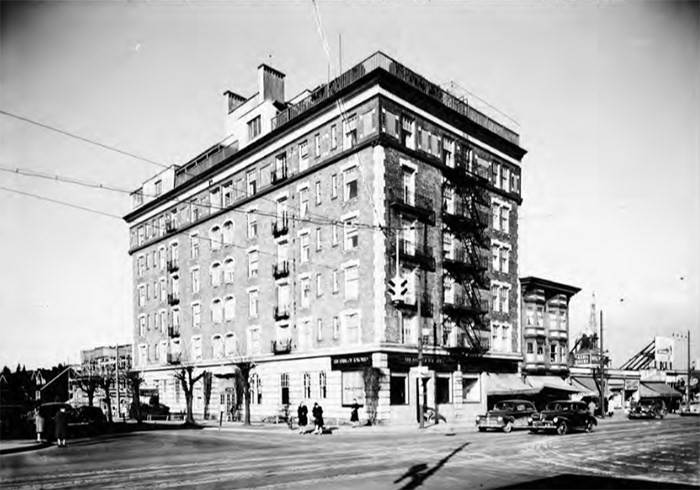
<point x="276" y="246"/>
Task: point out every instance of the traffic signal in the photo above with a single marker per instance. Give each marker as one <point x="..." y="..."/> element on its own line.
<point x="398" y="289"/>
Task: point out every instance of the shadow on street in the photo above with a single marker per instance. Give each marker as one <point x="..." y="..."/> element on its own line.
<point x="576" y="482"/>
<point x="418" y="473"/>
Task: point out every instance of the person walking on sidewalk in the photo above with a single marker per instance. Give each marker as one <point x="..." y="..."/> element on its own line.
<point x="61" y="423"/>
<point x="302" y="415"/>
<point x="354" y="417"/>
<point x="39" y="424"/>
<point x="317" y="412"/>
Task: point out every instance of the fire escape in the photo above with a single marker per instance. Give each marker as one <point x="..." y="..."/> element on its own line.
<point x="465" y="218"/>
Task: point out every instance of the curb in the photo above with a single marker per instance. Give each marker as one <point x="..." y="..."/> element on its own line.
<point x="25" y="447"/>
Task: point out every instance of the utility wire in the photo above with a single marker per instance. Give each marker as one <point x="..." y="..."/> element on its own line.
<point x="63" y="203"/>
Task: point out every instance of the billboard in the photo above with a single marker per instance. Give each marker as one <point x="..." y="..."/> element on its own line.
<point x="663" y="352"/>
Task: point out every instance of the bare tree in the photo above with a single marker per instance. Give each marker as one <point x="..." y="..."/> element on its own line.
<point x="242" y="372"/>
<point x="206" y="388"/>
<point x="134" y="381"/>
<point x="88" y="380"/>
<point x="106" y="380"/>
<point x="188" y="379"/>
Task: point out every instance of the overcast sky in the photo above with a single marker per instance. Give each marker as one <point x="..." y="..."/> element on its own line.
<point x="606" y="96"/>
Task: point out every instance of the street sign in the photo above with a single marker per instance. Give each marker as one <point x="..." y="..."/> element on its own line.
<point x="398" y="288"/>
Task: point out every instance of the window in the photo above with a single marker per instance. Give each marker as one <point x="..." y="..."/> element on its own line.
<point x="317" y="145"/>
<point x="252" y="221"/>
<point x="318" y="192"/>
<point x="506" y="343"/>
<point x="251" y="183"/>
<point x="196" y="315"/>
<point x="397" y="390"/>
<point x="408" y="136"/>
<point x="495" y="173"/>
<point x="217" y="347"/>
<point x="336" y="286"/>
<point x="140" y="265"/>
<point x="505" y="294"/>
<point x="303" y="156"/>
<point x="495" y="213"/>
<point x="303" y="202"/>
<point x="350" y="184"/>
<point x="254" y="128"/>
<point x="530" y="317"/>
<point x="253" y="303"/>
<point x="194" y="275"/>
<point x="230" y="345"/>
<point x="505" y="219"/>
<point x="505" y="178"/>
<point x="352" y="328"/>
<point x="215" y="198"/>
<point x="194" y="246"/>
<point x="228" y="271"/>
<point x="305" y="292"/>
<point x="505" y="258"/>
<point x="319" y="284"/>
<point x="322" y="385"/>
<point x="284" y="388"/>
<point x="334" y="186"/>
<point x="350" y="132"/>
<point x="336" y="327"/>
<point x="215" y="274"/>
<point x="540" y="349"/>
<point x="142" y="326"/>
<point x="142" y="295"/>
<point x="143" y="354"/>
<point x="229" y="308"/>
<point x="496" y="298"/>
<point x="530" y="348"/>
<point x="161" y="258"/>
<point x="304" y="247"/>
<point x="216" y="311"/>
<point x="351" y="238"/>
<point x="163" y="290"/>
<point x="448" y="152"/>
<point x="352" y="282"/>
<point x="471" y="390"/>
<point x="319" y="329"/>
<point x="255" y="389"/>
<point x="540" y="317"/>
<point x="442" y="389"/>
<point x="228" y="233"/>
<point x="158" y="188"/>
<point x="334" y="234"/>
<point x="254" y="340"/>
<point x="227" y="191"/>
<point x="253" y="263"/>
<point x="334" y="137"/>
<point x="318" y="239"/>
<point x="495" y="252"/>
<point x="553" y="353"/>
<point x="176" y="318"/>
<point x="307" y="386"/>
<point x="305" y="335"/>
<point x="495" y="337"/>
<point x="141" y="235"/>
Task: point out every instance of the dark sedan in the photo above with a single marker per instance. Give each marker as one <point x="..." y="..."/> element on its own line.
<point x="562" y="417"/>
<point x="506" y="416"/>
<point x="647" y="409"/>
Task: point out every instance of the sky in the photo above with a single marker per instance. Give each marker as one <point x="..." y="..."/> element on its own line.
<point x="605" y="95"/>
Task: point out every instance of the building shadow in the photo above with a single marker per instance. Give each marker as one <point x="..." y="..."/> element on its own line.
<point x="576" y="482"/>
<point x="418" y="473"/>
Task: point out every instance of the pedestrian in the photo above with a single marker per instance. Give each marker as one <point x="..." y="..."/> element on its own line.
<point x="317" y="412"/>
<point x="302" y="415"/>
<point x="591" y="408"/>
<point x="39" y="424"/>
<point x="354" y="417"/>
<point x="61" y="425"/>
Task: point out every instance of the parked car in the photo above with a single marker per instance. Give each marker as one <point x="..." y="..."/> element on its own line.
<point x="88" y="415"/>
<point x="562" y="417"/>
<point x="647" y="409"/>
<point x="690" y="409"/>
<point x="506" y="416"/>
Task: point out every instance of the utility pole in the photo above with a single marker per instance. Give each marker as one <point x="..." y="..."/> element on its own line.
<point x="602" y="369"/>
<point x="687" y="381"/>
<point x="421" y="391"/>
<point x="116" y="383"/>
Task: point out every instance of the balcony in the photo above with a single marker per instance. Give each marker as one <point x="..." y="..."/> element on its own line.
<point x="173" y="357"/>
<point x="173" y="299"/>
<point x="534" y="331"/>
<point x="280" y="227"/>
<point x="414" y="204"/>
<point x="282" y="346"/>
<point x="558" y="332"/>
<point x="280" y="269"/>
<point x="410" y="304"/>
<point x="421" y="256"/>
<point x="461" y="215"/>
<point x="278" y="175"/>
<point x="461" y="305"/>
<point x="460" y="262"/>
<point x="281" y="313"/>
<point x="171" y="226"/>
<point x="466" y="340"/>
<point x="173" y="331"/>
<point x="173" y="265"/>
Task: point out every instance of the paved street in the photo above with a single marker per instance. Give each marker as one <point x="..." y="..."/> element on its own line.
<point x="667" y="451"/>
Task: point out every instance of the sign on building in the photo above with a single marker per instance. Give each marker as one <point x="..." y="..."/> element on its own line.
<point x="663" y="352"/>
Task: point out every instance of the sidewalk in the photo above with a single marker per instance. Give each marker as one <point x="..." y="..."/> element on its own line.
<point x="20" y="445"/>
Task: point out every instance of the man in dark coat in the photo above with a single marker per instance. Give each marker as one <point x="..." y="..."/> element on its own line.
<point x="61" y="425"/>
<point x="354" y="416"/>
<point x="302" y="415"/>
<point x="317" y="412"/>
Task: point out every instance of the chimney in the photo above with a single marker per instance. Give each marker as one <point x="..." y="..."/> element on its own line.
<point x="270" y="83"/>
<point x="233" y="101"/>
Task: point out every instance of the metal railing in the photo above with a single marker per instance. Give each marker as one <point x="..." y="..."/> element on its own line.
<point x="173" y="265"/>
<point x="280" y="269"/>
<point x="173" y="331"/>
<point x="173" y="299"/>
<point x="421" y="254"/>
<point x="173" y="357"/>
<point x="277" y="176"/>
<point x="282" y="346"/>
<point x="281" y="312"/>
<point x="280" y="226"/>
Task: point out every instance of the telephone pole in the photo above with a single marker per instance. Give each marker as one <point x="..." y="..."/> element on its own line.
<point x="602" y="369"/>
<point x="687" y="381"/>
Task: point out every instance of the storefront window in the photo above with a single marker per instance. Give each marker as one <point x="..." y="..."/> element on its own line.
<point x="471" y="389"/>
<point x="353" y="386"/>
<point x="442" y="389"/>
<point x="398" y="390"/>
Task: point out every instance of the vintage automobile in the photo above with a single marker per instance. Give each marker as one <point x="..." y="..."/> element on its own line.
<point x="691" y="409"/>
<point x="562" y="417"/>
<point x="506" y="416"/>
<point x="647" y="409"/>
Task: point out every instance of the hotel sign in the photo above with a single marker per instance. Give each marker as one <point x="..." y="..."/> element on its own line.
<point x="351" y="362"/>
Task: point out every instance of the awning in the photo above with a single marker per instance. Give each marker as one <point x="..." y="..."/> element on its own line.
<point x="508" y="384"/>
<point x="585" y="386"/>
<point x="551" y="383"/>
<point x="657" y="390"/>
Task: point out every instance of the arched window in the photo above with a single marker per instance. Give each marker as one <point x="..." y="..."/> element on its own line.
<point x="215" y="237"/>
<point x="255" y="389"/>
<point x="217" y="347"/>
<point x="307" y="385"/>
<point x="229" y="308"/>
<point x="197" y="348"/>
<point x="228" y="270"/>
<point x="216" y="311"/>
<point x="215" y="273"/>
<point x="230" y="345"/>
<point x="228" y="233"/>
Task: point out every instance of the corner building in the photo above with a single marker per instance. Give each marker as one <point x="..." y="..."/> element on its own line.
<point x="276" y="246"/>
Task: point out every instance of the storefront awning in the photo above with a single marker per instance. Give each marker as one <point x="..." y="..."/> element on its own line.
<point x="498" y="384"/>
<point x="585" y="386"/>
<point x="551" y="383"/>
<point x="657" y="390"/>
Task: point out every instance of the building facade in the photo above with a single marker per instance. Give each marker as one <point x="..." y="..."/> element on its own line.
<point x="276" y="246"/>
<point x="113" y="361"/>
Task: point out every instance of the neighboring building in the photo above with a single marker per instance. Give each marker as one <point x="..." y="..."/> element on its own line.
<point x="276" y="246"/>
<point x="102" y="361"/>
<point x="545" y="325"/>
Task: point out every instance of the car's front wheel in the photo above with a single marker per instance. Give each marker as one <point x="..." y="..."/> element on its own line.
<point x="508" y="427"/>
<point x="562" y="428"/>
<point x="589" y="426"/>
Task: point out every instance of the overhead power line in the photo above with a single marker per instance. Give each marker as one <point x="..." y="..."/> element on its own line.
<point x="63" y="203"/>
